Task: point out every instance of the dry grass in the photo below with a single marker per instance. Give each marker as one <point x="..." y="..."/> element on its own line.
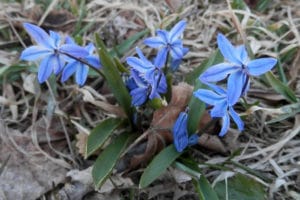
<point x="272" y="149"/>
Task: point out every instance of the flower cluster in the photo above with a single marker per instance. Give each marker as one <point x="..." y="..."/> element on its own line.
<point x="238" y="68"/>
<point x="147" y="79"/>
<point x="59" y="55"/>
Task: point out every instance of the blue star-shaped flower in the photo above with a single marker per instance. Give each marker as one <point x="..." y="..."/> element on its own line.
<point x="150" y="73"/>
<point x="50" y="49"/>
<point x="223" y="106"/>
<point x="238" y="66"/>
<point x="141" y="90"/>
<point x="79" y="68"/>
<point x="169" y="41"/>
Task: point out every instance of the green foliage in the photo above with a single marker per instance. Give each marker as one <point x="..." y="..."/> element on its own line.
<point x="204" y="189"/>
<point x="281" y="87"/>
<point x="108" y="158"/>
<point x="158" y="165"/>
<point x="240" y="187"/>
<point x="114" y="80"/>
<point x="100" y="134"/>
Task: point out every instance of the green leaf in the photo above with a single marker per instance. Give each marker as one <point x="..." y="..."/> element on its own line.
<point x="100" y="134"/>
<point x="204" y="189"/>
<point x="122" y="48"/>
<point x="281" y="88"/>
<point x="288" y="111"/>
<point x="114" y="80"/>
<point x="240" y="187"/>
<point x="158" y="165"/>
<point x="108" y="158"/>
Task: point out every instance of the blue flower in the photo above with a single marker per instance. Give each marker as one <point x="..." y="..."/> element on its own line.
<point x="50" y="49"/>
<point x="180" y="133"/>
<point x="238" y="66"/>
<point x="79" y="68"/>
<point x="223" y="106"/>
<point x="149" y="75"/>
<point x="169" y="41"/>
<point x="141" y="90"/>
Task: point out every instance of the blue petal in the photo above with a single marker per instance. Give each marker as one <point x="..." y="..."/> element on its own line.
<point x="177" y="30"/>
<point x="193" y="139"/>
<point x="69" y="40"/>
<point x="217" y="89"/>
<point x="162" y="87"/>
<point x="208" y="96"/>
<point x="180" y="134"/>
<point x="57" y="64"/>
<point x="39" y="35"/>
<point x="236" y="118"/>
<point x="260" y="66"/>
<point x="225" y="125"/>
<point x="218" y="72"/>
<point x="242" y="53"/>
<point x="154" y="42"/>
<point x="90" y="48"/>
<point x="56" y="38"/>
<point x="164" y="35"/>
<point x="74" y="50"/>
<point x="45" y="68"/>
<point x="176" y="52"/>
<point x="137" y="64"/>
<point x="145" y="61"/>
<point x="94" y="61"/>
<point x="235" y="85"/>
<point x="69" y="69"/>
<point x="229" y="52"/>
<point x="220" y="109"/>
<point x="81" y="74"/>
<point x="35" y="52"/>
<point x="139" y="96"/>
<point x="161" y="58"/>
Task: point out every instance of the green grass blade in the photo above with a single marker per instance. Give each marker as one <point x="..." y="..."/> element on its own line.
<point x="100" y="134"/>
<point x="158" y="165"/>
<point x="108" y="158"/>
<point x="281" y="88"/>
<point x="204" y="189"/>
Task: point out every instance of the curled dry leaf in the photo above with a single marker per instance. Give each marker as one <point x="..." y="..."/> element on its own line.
<point x="160" y="134"/>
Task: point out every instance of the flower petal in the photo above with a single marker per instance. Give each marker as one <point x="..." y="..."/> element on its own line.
<point x="176" y="52"/>
<point x="225" y="125"/>
<point x="94" y="61"/>
<point x="35" y="52"/>
<point x="137" y="64"/>
<point x="235" y="84"/>
<point x="220" y="109"/>
<point x="164" y="35"/>
<point x="69" y="69"/>
<point x="260" y="66"/>
<point x="242" y="53"/>
<point x="236" y="118"/>
<point x="81" y="74"/>
<point x="139" y="96"/>
<point x="58" y="63"/>
<point x="143" y="58"/>
<point x="154" y="42"/>
<point x="161" y="58"/>
<point x="39" y="35"/>
<point x="74" y="50"/>
<point x="208" y="96"/>
<point x="177" y="30"/>
<point x="228" y="51"/>
<point x="56" y="38"/>
<point x="218" y="72"/>
<point x="45" y="68"/>
<point x="180" y="134"/>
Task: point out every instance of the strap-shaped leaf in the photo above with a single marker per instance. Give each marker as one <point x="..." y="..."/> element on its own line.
<point x="281" y="87"/>
<point x="114" y="79"/>
<point x="100" y="134"/>
<point x="158" y="165"/>
<point x="108" y="158"/>
<point x="204" y="189"/>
